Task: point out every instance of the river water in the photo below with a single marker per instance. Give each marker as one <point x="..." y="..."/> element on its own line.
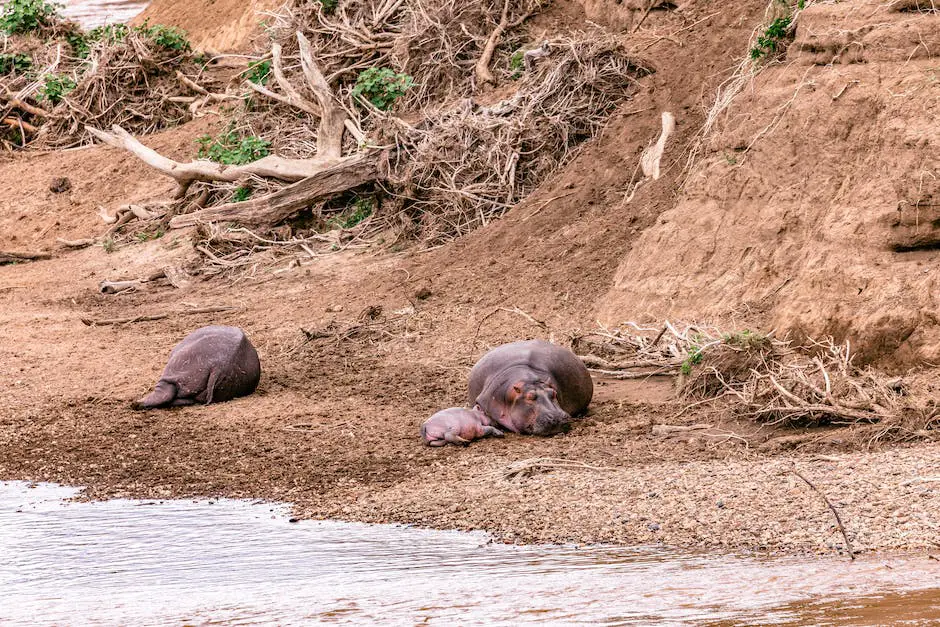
<point x="91" y="13"/>
<point x="175" y="562"/>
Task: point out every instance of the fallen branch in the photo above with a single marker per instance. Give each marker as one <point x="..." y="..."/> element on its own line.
<point x="76" y="243"/>
<point x="482" y="67"/>
<point x="845" y="536"/>
<point x="199" y="89"/>
<point x="12" y="256"/>
<point x="529" y="467"/>
<point x="346" y="174"/>
<point x="20" y="124"/>
<point x="201" y="170"/>
<point x="17" y="103"/>
<point x="148" y="318"/>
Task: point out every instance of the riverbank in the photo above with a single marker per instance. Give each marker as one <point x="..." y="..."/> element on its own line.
<point x="334" y="425"/>
<point x="362" y="338"/>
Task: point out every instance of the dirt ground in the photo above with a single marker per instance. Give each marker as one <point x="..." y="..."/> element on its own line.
<point x="334" y="425"/>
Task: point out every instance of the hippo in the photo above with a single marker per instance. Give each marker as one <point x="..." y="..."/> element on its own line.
<point x="210" y="365"/>
<point x="457" y="425"/>
<point x="531" y="387"/>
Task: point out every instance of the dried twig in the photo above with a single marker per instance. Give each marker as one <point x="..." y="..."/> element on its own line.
<point x="835" y="512"/>
<point x="91" y="322"/>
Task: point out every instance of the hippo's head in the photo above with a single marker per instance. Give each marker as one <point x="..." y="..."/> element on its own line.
<point x="526" y="405"/>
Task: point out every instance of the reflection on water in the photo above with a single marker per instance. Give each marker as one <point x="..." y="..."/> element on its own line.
<point x="234" y="562"/>
<point x="91" y="13"/>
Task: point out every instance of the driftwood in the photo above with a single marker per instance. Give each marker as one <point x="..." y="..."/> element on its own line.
<point x="201" y="170"/>
<point x="482" y="67"/>
<point x="174" y="274"/>
<point x="12" y="256"/>
<point x="325" y="174"/>
<point x="348" y="173"/>
<point x="91" y="322"/>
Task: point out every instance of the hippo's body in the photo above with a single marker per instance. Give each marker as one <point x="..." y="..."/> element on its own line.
<point x="210" y="365"/>
<point x="457" y="425"/>
<point x="531" y="386"/>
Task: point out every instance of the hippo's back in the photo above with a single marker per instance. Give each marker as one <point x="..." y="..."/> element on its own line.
<point x="575" y="386"/>
<point x="224" y="350"/>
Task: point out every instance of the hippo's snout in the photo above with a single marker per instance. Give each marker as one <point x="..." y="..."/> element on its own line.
<point x="552" y="424"/>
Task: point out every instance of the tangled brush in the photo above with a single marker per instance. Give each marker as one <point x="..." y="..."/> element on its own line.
<point x="56" y="79"/>
<point x="130" y="80"/>
<point x="472" y="163"/>
<point x="764" y="378"/>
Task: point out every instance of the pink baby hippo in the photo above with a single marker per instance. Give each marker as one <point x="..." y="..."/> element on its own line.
<point x="457" y="425"/>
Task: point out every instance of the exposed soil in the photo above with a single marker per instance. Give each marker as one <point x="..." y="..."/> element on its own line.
<point x="334" y="425"/>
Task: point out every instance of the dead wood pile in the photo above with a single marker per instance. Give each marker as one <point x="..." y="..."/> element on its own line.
<point x="770" y="380"/>
<point x="59" y="79"/>
<point x="438" y="163"/>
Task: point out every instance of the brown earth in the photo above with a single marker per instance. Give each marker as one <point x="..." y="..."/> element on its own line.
<point x="334" y="425"/>
<point x="212" y="25"/>
<point x="814" y="207"/>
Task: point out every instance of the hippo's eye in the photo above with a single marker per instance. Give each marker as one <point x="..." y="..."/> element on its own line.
<point x="531" y="396"/>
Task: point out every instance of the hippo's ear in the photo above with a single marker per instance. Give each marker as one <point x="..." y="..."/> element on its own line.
<point x="514" y="392"/>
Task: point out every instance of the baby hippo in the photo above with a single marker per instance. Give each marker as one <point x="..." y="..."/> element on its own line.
<point x="457" y="425"/>
<point x="211" y="364"/>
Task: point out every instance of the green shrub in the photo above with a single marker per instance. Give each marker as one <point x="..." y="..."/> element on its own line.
<point x="157" y="233"/>
<point x="109" y="33"/>
<point x="692" y="359"/>
<point x="241" y="194"/>
<point x="79" y="44"/>
<point x="26" y="16"/>
<point x="359" y="211"/>
<point x="768" y="43"/>
<point x="382" y="86"/>
<point x="168" y="37"/>
<point x="746" y="339"/>
<point x="14" y="63"/>
<point x="258" y="72"/>
<point x="55" y="87"/>
<point x="328" y="5"/>
<point x="231" y="149"/>
<point x="517" y="64"/>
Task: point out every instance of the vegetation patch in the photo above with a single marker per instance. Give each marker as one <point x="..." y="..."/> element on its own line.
<point x="231" y="148"/>
<point x="15" y="63"/>
<point x="28" y="16"/>
<point x="55" y="87"/>
<point x="382" y="87"/>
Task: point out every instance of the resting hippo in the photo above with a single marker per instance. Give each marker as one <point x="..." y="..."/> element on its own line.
<point x="210" y="365"/>
<point x="531" y="387"/>
<point x="457" y="425"/>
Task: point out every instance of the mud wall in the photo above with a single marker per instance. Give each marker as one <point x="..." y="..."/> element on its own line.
<point x="815" y="206"/>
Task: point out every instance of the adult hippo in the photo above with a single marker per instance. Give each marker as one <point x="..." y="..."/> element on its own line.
<point x="210" y="365"/>
<point x="531" y="387"/>
<point x="457" y="425"/>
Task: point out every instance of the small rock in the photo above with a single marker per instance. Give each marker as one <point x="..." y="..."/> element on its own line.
<point x="653" y="527"/>
<point x="60" y="185"/>
<point x="334" y="308"/>
<point x="423" y="293"/>
<point x="293" y="520"/>
<point x="720" y="504"/>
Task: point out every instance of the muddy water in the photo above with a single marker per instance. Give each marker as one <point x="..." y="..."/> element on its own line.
<point x="91" y="13"/>
<point x="233" y="562"/>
